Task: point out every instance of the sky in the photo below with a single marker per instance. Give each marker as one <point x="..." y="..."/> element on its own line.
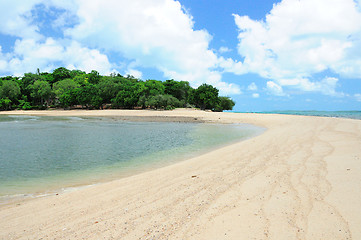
<point x="266" y="55"/>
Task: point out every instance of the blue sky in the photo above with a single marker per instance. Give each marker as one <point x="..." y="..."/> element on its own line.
<point x="266" y="55"/>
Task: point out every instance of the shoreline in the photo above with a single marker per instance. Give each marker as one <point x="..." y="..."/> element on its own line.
<point x="354" y="114"/>
<point x="84" y="179"/>
<point x="167" y="116"/>
<point x="73" y="184"/>
<point x="300" y="179"/>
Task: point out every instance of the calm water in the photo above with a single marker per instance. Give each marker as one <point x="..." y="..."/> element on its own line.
<point x="42" y="154"/>
<point x="338" y="114"/>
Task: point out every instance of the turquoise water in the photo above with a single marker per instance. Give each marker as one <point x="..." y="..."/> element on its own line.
<point x="42" y="154"/>
<point x="338" y="114"/>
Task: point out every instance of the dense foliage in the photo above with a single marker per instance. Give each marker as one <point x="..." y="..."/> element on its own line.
<point x="64" y="88"/>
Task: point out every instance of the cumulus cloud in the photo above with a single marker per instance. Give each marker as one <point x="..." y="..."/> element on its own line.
<point x="15" y="19"/>
<point x="224" y="49"/>
<point x="32" y="49"/>
<point x="298" y="39"/>
<point x="232" y="66"/>
<point x="86" y="59"/>
<point x="227" y="88"/>
<point x="153" y="33"/>
<point x="252" y="87"/>
<point x="134" y="73"/>
<point x="326" y="86"/>
<point x="275" y="89"/>
<point x="30" y="54"/>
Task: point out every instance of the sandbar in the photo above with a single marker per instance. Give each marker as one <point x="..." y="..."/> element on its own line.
<point x="300" y="179"/>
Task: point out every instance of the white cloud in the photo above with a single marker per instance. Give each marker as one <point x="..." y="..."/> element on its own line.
<point x="15" y="19"/>
<point x="135" y="73"/>
<point x="224" y="49"/>
<point x="357" y="97"/>
<point x="300" y="38"/>
<point x="227" y="89"/>
<point x="252" y="87"/>
<point x="30" y="54"/>
<point x="153" y="33"/>
<point x="255" y="95"/>
<point x="232" y="66"/>
<point x="3" y="62"/>
<point x="33" y="50"/>
<point x="275" y="89"/>
<point x="86" y="59"/>
<point x="326" y="86"/>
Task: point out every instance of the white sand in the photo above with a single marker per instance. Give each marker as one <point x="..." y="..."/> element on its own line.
<point x="301" y="179"/>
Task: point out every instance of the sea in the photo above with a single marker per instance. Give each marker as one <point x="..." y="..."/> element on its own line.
<point x="335" y="114"/>
<point x="41" y="155"/>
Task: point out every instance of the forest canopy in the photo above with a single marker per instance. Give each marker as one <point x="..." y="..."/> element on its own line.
<point x="64" y="88"/>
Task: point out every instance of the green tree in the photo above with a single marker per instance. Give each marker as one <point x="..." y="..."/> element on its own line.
<point x="41" y="92"/>
<point x="81" y="79"/>
<point x="88" y="96"/>
<point x="63" y="86"/>
<point x="94" y="77"/>
<point x="92" y="90"/>
<point x="163" y="102"/>
<point x="131" y="78"/>
<point x="180" y="90"/>
<point x="5" y="104"/>
<point x="129" y="94"/>
<point x="96" y="102"/>
<point x="142" y="102"/>
<point x="10" y="89"/>
<point x="24" y="105"/>
<point x="108" y="89"/>
<point x="10" y="78"/>
<point x="26" y="83"/>
<point x="205" y="97"/>
<point x="44" y="76"/>
<point x="61" y="74"/>
<point x="74" y="73"/>
<point x="225" y="103"/>
<point x="153" y="88"/>
<point x="69" y="98"/>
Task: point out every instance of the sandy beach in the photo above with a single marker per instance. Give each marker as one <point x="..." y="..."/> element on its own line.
<point x="300" y="179"/>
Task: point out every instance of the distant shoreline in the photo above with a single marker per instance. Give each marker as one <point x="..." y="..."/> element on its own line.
<point x="148" y="115"/>
<point x="337" y="114"/>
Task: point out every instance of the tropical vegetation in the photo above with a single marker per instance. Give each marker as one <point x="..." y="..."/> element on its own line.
<point x="64" y="88"/>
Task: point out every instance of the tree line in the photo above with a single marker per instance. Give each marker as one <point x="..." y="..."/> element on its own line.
<point x="64" y="88"/>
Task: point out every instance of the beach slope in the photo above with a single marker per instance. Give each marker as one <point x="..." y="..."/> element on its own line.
<point x="300" y="179"/>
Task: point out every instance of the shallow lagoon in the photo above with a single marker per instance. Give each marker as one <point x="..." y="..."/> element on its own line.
<point x="45" y="154"/>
